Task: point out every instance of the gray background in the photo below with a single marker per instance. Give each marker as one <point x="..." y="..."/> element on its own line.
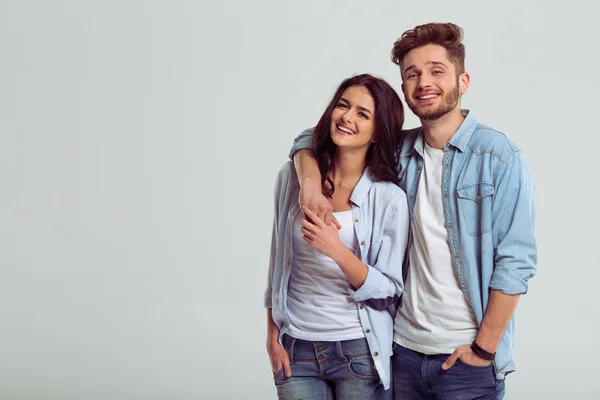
<point x="139" y="142"/>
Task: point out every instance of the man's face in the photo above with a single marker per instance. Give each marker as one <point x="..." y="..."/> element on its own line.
<point x="430" y="83"/>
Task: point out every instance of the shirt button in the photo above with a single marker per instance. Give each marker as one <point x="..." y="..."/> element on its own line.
<point x="445" y="194"/>
<point x="362" y="306"/>
<point x="375" y="354"/>
<point x="368" y="330"/>
<point x="362" y="243"/>
<point x="355" y="219"/>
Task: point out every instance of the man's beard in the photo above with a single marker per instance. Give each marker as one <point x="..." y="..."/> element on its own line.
<point x="431" y="114"/>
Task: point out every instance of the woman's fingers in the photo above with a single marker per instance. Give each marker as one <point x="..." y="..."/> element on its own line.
<point x="307" y="233"/>
<point x="312" y="216"/>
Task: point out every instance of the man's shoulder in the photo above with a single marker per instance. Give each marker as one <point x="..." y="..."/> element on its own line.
<point x="409" y="136"/>
<point x="486" y="139"/>
<point x="410" y="133"/>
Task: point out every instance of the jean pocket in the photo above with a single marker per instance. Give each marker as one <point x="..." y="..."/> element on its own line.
<point x="278" y="375"/>
<point x="474" y="367"/>
<point x="475" y="207"/>
<point x="362" y="367"/>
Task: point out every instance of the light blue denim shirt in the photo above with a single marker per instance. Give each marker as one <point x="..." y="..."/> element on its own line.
<point x="488" y="198"/>
<point x="380" y="215"/>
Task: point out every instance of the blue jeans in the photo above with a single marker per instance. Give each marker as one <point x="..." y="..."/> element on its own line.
<point x="329" y="370"/>
<point x="418" y="376"/>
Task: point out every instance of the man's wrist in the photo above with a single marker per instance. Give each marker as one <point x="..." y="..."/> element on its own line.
<point x="481" y="352"/>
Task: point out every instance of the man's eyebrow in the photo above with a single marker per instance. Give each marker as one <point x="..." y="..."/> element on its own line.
<point x="437" y="63"/>
<point x="428" y="62"/>
<point x="409" y="67"/>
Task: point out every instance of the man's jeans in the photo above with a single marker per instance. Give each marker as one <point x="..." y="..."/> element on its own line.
<point x="418" y="376"/>
<point x="329" y="370"/>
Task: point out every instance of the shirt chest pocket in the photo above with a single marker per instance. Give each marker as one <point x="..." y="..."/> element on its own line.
<point x="475" y="207"/>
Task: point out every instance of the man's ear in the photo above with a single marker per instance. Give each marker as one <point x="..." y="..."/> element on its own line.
<point x="464" y="80"/>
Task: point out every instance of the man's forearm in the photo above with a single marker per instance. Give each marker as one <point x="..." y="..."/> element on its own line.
<point x="307" y="167"/>
<point x="497" y="316"/>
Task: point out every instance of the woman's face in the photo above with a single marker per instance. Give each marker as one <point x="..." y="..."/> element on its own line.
<point x="353" y="119"/>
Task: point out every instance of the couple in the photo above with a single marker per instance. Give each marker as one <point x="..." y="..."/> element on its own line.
<point x="399" y="272"/>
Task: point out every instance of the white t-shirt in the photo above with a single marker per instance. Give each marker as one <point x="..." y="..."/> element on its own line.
<point x="435" y="316"/>
<point x="319" y="306"/>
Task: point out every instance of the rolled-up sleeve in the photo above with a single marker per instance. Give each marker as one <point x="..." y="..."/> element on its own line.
<point x="302" y="141"/>
<point x="279" y="192"/>
<point x="384" y="284"/>
<point x="513" y="228"/>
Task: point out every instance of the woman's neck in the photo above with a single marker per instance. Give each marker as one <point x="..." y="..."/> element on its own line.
<point x="348" y="167"/>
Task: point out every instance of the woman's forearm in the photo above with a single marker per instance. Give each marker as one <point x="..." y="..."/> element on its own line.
<point x="354" y="269"/>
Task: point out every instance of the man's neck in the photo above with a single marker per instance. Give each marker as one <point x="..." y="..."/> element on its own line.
<point x="438" y="132"/>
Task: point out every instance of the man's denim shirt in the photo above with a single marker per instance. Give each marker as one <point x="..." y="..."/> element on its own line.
<point x="380" y="215"/>
<point x="488" y="198"/>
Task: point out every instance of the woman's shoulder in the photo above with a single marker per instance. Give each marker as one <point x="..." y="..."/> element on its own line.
<point x="388" y="192"/>
<point x="287" y="171"/>
<point x="389" y="188"/>
<point x="286" y="178"/>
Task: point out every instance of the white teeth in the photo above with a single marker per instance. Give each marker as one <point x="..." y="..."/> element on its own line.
<point x="426" y="97"/>
<point x="348" y="131"/>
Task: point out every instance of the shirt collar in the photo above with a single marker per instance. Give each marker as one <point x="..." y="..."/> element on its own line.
<point x="362" y="188"/>
<point x="459" y="139"/>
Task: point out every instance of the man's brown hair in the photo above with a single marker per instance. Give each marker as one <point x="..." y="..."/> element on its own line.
<point x="447" y="35"/>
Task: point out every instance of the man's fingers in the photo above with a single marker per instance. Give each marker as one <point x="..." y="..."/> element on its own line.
<point x="335" y="221"/>
<point x="449" y="363"/>
<point x="321" y="215"/>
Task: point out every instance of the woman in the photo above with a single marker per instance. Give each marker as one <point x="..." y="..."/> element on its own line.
<point x="331" y="293"/>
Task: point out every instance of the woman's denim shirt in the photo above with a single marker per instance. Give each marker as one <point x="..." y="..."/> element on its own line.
<point x="380" y="215"/>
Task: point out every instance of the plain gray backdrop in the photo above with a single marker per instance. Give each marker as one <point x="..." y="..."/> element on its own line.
<point x="139" y="143"/>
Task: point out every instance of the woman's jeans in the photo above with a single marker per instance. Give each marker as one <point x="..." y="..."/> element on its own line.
<point x="341" y="370"/>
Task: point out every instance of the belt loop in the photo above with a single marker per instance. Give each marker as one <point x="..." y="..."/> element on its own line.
<point x="340" y="351"/>
<point x="291" y="350"/>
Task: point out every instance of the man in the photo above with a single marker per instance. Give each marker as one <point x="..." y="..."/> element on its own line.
<point x="472" y="248"/>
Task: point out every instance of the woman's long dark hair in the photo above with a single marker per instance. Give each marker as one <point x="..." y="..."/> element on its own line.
<point x="382" y="156"/>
